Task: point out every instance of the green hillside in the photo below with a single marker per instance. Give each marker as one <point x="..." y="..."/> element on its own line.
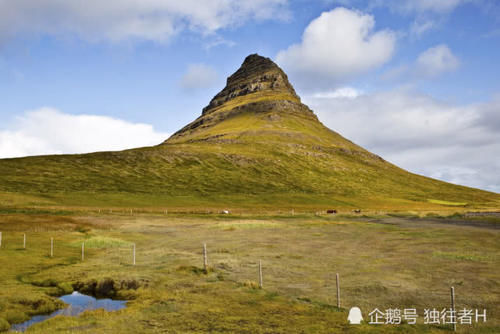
<point x="255" y="146"/>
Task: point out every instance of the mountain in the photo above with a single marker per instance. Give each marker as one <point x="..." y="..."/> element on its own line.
<point x="254" y="146"/>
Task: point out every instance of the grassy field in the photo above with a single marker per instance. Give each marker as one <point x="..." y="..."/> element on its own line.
<point x="383" y="261"/>
<point x="279" y="158"/>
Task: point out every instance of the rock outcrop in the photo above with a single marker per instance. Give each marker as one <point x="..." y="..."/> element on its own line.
<point x="258" y="86"/>
<point x="257" y="74"/>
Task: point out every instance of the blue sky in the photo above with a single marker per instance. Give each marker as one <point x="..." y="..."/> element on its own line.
<point x="415" y="81"/>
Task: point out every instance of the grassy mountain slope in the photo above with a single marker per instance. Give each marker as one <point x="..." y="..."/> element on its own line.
<point x="255" y="145"/>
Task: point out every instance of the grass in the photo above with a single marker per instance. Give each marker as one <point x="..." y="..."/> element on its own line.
<point x="277" y="169"/>
<point x="462" y="256"/>
<point x="393" y="263"/>
<point x="448" y="203"/>
<point x="253" y="160"/>
<point x="103" y="242"/>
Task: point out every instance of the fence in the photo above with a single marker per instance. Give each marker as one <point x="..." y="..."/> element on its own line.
<point x="127" y="255"/>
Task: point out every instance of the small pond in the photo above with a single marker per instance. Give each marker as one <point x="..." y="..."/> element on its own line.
<point x="77" y="303"/>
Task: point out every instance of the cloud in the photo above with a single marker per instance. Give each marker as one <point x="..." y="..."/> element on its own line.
<point x="49" y="131"/>
<point x="436" y="60"/>
<point x="118" y="20"/>
<point x="338" y="45"/>
<point x="429" y="64"/>
<point x="420" y="27"/>
<point x="421" y="6"/>
<point x="442" y="6"/>
<point x="199" y="76"/>
<point x="339" y="93"/>
<point x="458" y="144"/>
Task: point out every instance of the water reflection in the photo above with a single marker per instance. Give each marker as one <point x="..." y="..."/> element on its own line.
<point x="77" y="303"/>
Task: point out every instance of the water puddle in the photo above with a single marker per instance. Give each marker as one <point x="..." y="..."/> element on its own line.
<point x="77" y="303"/>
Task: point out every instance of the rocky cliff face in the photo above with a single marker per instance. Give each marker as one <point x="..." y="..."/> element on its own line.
<point x="257" y="74"/>
<point x="258" y="86"/>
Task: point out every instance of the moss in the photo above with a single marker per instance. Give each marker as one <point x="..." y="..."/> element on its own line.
<point x="65" y="288"/>
<point x="15" y="317"/>
<point x="45" y="306"/>
<point x="46" y="283"/>
<point x="4" y="325"/>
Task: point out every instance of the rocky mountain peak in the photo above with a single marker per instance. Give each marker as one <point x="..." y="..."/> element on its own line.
<point x="259" y="87"/>
<point x="256" y="75"/>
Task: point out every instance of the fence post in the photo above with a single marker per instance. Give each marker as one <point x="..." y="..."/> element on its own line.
<point x="83" y="251"/>
<point x="51" y="247"/>
<point x="24" y="240"/>
<point x="134" y="254"/>
<point x="454" y="317"/>
<point x="205" y="258"/>
<point x="261" y="282"/>
<point x="338" y="290"/>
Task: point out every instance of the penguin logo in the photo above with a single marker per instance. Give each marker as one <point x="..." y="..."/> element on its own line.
<point x="355" y="316"/>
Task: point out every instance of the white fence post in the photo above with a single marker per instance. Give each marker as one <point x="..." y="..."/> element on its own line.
<point x="205" y="258"/>
<point x="134" y="254"/>
<point x="338" y="290"/>
<point x="261" y="282"/>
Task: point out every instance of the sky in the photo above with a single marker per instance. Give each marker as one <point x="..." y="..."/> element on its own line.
<point x="414" y="81"/>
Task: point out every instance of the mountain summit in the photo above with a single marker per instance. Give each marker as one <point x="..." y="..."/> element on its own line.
<point x="254" y="146"/>
<point x="258" y="76"/>
<point x="259" y="85"/>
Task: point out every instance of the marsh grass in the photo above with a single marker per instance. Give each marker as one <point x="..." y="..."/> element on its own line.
<point x="382" y="265"/>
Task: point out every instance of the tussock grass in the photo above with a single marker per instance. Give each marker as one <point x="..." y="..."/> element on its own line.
<point x="409" y="264"/>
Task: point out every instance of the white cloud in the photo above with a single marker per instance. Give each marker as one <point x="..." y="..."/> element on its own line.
<point x="436" y="60"/>
<point x="458" y="144"/>
<point x="420" y="27"/>
<point x="338" y="45"/>
<point x="441" y="6"/>
<point x="343" y="92"/>
<point x="421" y="6"/>
<point x="117" y="20"/>
<point x="49" y="131"/>
<point x="429" y="64"/>
<point x="199" y="76"/>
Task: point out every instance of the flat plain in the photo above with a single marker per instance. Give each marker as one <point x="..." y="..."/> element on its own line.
<point x="399" y="261"/>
